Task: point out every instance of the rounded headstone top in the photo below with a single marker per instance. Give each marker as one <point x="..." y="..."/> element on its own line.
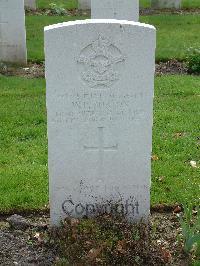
<point x="97" y="21"/>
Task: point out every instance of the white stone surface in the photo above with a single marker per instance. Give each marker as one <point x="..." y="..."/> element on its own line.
<point x="100" y="80"/>
<point x="31" y="4"/>
<point x="166" y="4"/>
<point x="12" y="31"/>
<point x="84" y="4"/>
<point x="115" y="9"/>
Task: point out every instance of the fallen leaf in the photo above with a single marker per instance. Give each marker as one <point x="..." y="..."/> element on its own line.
<point x="166" y="255"/>
<point x="26" y="68"/>
<point x="121" y="244"/>
<point x="160" y="178"/>
<point x="154" y="158"/>
<point x="195" y="212"/>
<point x="39" y="237"/>
<point x="99" y="260"/>
<point x="94" y="253"/>
<point x="177" y="209"/>
<point x="4" y="225"/>
<point x="179" y="134"/>
<point x="88" y="243"/>
<point x="193" y="164"/>
<point x="74" y="222"/>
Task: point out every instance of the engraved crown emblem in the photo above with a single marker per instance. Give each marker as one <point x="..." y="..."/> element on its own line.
<point x="99" y="60"/>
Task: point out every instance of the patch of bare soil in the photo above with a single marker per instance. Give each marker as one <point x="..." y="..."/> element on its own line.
<point x="185" y="11"/>
<point x="143" y="12"/>
<point x="100" y="241"/>
<point x="173" y="67"/>
<point x="51" y="12"/>
<point x="34" y="70"/>
<point x="19" y="244"/>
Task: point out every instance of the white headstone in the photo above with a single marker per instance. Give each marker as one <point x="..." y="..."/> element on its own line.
<point x="12" y="31"/>
<point x="115" y="9"/>
<point x="84" y="4"/>
<point x="166" y="4"/>
<point x="99" y="104"/>
<point x="31" y="4"/>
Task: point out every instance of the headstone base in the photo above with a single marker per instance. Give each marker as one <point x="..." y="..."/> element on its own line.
<point x="115" y="9"/>
<point x="159" y="4"/>
<point x="84" y="4"/>
<point x="30" y="4"/>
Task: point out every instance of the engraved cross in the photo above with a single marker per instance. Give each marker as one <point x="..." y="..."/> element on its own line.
<point x="101" y="148"/>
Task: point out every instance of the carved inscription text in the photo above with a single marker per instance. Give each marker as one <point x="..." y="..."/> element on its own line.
<point x="99" y="106"/>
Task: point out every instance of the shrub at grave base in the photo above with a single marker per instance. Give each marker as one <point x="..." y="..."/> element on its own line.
<point x="193" y="61"/>
<point x="191" y="229"/>
<point x="107" y="241"/>
<point x="57" y="9"/>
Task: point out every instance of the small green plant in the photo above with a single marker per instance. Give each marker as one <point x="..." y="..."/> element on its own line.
<point x="57" y="9"/>
<point x="105" y="240"/>
<point x="193" y="60"/>
<point x="190" y="228"/>
<point x="196" y="263"/>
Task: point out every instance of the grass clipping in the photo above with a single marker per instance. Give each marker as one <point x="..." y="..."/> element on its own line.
<point x="105" y="240"/>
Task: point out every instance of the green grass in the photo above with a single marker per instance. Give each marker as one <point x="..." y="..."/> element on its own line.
<point x="23" y="160"/>
<point x="143" y="3"/>
<point x="190" y="3"/>
<point x="35" y="33"/>
<point x="175" y="34"/>
<point x="23" y="142"/>
<point x="176" y="108"/>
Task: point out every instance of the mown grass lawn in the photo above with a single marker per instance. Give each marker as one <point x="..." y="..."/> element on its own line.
<point x="23" y="142"/>
<point x="35" y="33"/>
<point x="143" y="3"/>
<point x="175" y="34"/>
